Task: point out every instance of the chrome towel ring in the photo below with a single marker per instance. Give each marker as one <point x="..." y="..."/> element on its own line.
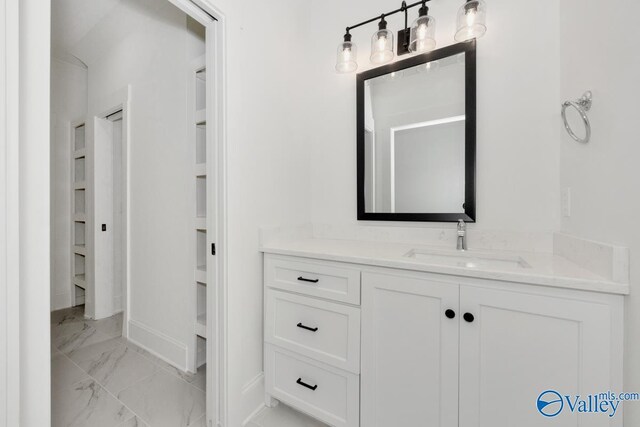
<point x="582" y="105"/>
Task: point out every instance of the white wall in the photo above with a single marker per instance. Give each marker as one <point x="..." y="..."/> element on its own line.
<point x="68" y="104"/>
<point x="599" y="53"/>
<point x="269" y="126"/>
<point x="34" y="221"/>
<point x="9" y="217"/>
<point x="518" y="85"/>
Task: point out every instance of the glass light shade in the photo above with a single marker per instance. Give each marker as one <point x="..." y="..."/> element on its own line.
<point x="347" y="56"/>
<point x="382" y="46"/>
<point x="423" y="32"/>
<point x="471" y="21"/>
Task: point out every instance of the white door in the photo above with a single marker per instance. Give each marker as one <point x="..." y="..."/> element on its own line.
<point x="409" y="372"/>
<point x="100" y="291"/>
<point x="518" y="346"/>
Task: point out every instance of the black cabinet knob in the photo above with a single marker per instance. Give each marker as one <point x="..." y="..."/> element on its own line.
<point x="450" y="314"/>
<point x="468" y="317"/>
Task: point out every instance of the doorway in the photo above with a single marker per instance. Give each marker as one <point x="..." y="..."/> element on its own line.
<point x="152" y="212"/>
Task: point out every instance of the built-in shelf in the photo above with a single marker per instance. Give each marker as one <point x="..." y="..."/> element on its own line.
<point x="201" y="326"/>
<point x="201" y="249"/>
<point x="79" y="234"/>
<point x="201" y="197"/>
<point x="200" y="275"/>
<point x="79" y="138"/>
<point x="80" y="293"/>
<point x="201" y="351"/>
<point x="79" y="209"/>
<point x="80" y="201"/>
<point x="201" y="224"/>
<point x="201" y="89"/>
<point x="201" y="117"/>
<point x="79" y="264"/>
<point x="79" y="169"/>
<point x="80" y="281"/>
<point x="201" y="170"/>
<point x="201" y="143"/>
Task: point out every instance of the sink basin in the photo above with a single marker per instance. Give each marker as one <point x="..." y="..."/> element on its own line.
<point x="468" y="259"/>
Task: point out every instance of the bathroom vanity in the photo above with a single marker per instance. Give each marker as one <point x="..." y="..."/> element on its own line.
<point x="380" y="334"/>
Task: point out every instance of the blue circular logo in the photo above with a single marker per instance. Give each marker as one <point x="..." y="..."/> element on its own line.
<point x="550" y="403"/>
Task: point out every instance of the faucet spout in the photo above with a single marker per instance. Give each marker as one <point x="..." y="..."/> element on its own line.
<point x="462" y="236"/>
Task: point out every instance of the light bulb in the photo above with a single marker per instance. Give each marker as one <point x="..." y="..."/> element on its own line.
<point x="471" y="17"/>
<point x="422" y="31"/>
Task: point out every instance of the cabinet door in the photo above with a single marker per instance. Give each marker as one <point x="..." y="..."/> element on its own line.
<point x="409" y="372"/>
<point x="520" y="345"/>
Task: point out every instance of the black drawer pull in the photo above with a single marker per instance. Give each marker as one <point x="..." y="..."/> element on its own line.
<point x="302" y="279"/>
<point x="300" y="325"/>
<point x="469" y="317"/>
<point x="450" y="314"/>
<point x="303" y="384"/>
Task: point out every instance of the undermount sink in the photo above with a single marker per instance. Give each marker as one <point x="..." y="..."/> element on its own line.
<point x="468" y="259"/>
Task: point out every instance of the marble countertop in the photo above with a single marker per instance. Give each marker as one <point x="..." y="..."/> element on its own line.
<point x="543" y="269"/>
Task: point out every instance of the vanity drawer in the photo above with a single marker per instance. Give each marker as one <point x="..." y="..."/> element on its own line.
<point x="327" y="393"/>
<point x="322" y="279"/>
<point x="323" y="330"/>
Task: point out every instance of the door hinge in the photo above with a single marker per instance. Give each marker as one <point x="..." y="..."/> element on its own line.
<point x="213" y="249"/>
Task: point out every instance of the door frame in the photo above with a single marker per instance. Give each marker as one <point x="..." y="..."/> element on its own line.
<point x="9" y="216"/>
<point x="214" y="21"/>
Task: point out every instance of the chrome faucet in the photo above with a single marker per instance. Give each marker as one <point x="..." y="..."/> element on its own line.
<point x="462" y="236"/>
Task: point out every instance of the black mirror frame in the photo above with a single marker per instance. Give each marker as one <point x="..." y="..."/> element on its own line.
<point x="469" y="214"/>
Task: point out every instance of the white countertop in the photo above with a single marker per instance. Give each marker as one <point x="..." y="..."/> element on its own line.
<point x="544" y="269"/>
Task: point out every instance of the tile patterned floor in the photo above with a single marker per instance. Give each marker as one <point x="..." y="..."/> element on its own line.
<point x="99" y="379"/>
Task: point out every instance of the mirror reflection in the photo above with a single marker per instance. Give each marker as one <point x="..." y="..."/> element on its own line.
<point x="414" y="139"/>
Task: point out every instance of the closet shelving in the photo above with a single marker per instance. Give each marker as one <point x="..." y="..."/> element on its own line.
<point x="199" y="144"/>
<point x="79" y="213"/>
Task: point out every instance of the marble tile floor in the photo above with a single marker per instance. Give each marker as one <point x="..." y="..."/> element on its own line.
<point x="99" y="379"/>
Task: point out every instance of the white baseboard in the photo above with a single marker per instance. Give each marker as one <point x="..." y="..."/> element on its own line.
<point x="158" y="344"/>
<point x="252" y="398"/>
<point x="60" y="301"/>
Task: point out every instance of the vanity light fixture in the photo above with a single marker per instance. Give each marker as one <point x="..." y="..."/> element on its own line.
<point x="419" y="38"/>
<point x="423" y="31"/>
<point x="471" y="20"/>
<point x="382" y="44"/>
<point x="347" y="54"/>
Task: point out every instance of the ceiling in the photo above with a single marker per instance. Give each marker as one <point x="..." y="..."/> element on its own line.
<point x="72" y="20"/>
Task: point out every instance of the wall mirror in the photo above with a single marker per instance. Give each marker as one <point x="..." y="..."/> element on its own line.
<point x="416" y="124"/>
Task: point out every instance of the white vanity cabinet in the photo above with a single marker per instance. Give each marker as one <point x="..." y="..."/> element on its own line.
<point x="379" y="347"/>
<point x="486" y="366"/>
<point x="312" y="337"/>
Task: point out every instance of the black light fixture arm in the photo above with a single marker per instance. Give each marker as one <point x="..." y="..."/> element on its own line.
<point x="404" y="8"/>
